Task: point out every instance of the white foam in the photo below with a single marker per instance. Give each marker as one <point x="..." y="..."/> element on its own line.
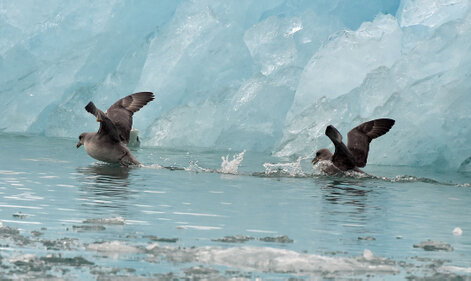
<point x="23" y="222"/>
<point x="152" y="212"/>
<point x="457" y="231"/>
<point x="7" y="172"/>
<point x="261" y="231"/>
<point x="196" y="214"/>
<point x="65" y="185"/>
<point x="198" y="227"/>
<point x="18" y="206"/>
<point x="143" y="206"/>
<point x="153" y="166"/>
<point x="194" y="167"/>
<point x="231" y="166"/>
<point x="26" y="196"/>
<point x="45" y="160"/>
<point x="154" y="191"/>
<point x="292" y="169"/>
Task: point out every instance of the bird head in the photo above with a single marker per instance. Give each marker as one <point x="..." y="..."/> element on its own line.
<point x="81" y="140"/>
<point x="321" y="154"/>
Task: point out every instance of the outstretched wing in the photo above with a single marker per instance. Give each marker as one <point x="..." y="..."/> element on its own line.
<point x="106" y="125"/>
<point x="342" y="157"/>
<point x="121" y="112"/>
<point x="359" y="138"/>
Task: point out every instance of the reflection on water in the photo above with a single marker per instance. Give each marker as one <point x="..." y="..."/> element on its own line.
<point x="104" y="185"/>
<point x="339" y="192"/>
<point x="105" y="173"/>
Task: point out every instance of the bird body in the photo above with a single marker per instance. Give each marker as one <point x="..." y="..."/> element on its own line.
<point x="354" y="155"/>
<point x="109" y="143"/>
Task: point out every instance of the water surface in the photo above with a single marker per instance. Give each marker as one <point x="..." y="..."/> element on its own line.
<point x="66" y="216"/>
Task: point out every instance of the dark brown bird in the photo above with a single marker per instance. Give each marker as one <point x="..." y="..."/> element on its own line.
<point x="109" y="143"/>
<point x="355" y="154"/>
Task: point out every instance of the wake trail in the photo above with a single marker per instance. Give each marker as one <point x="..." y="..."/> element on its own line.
<point x="295" y="170"/>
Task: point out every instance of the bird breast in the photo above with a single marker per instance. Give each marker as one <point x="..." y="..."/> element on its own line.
<point x="106" y="153"/>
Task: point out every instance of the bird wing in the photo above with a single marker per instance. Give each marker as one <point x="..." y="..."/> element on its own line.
<point x="121" y="112"/>
<point x="106" y="125"/>
<point x="359" y="138"/>
<point x="342" y="157"/>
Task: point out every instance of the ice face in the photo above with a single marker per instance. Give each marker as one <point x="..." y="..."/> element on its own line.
<point x="256" y="75"/>
<point x="431" y="13"/>
<point x="347" y="58"/>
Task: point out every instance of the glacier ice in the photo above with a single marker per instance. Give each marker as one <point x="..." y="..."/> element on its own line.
<point x="257" y="75"/>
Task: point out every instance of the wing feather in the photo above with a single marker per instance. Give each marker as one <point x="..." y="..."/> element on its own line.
<point x="121" y="112"/>
<point x="106" y="125"/>
<point x="359" y="138"/>
<point x="342" y="157"/>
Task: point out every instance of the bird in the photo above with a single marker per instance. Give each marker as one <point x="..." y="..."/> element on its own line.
<point x="108" y="144"/>
<point x="354" y="155"/>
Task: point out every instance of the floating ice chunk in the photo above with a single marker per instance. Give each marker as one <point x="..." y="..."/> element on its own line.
<point x="457" y="231"/>
<point x="113" y="247"/>
<point x="61" y="244"/>
<point x="368" y="255"/>
<point x="277" y="239"/>
<point x="85" y="228"/>
<point x="111" y="221"/>
<point x="134" y="138"/>
<point x="6" y="231"/>
<point x="59" y="260"/>
<point x="456" y="269"/>
<point x="152" y="246"/>
<point x="23" y="258"/>
<point x="368" y="238"/>
<point x="234" y="239"/>
<point x="430" y="245"/>
<point x="281" y="260"/>
<point x="161" y="239"/>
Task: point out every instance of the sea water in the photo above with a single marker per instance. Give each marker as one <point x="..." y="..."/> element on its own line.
<point x="203" y="214"/>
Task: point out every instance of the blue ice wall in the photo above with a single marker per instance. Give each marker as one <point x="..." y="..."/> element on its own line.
<point x="264" y="75"/>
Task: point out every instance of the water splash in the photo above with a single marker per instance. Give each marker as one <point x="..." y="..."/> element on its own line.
<point x="292" y="169"/>
<point x="327" y="168"/>
<point x="153" y="166"/>
<point x="194" y="167"/>
<point x="231" y="166"/>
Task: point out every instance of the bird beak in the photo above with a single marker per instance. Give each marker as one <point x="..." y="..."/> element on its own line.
<point x="98" y="119"/>
<point x="79" y="144"/>
<point x="315" y="160"/>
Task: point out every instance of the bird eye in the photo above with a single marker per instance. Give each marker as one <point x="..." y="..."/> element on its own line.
<point x="317" y="154"/>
